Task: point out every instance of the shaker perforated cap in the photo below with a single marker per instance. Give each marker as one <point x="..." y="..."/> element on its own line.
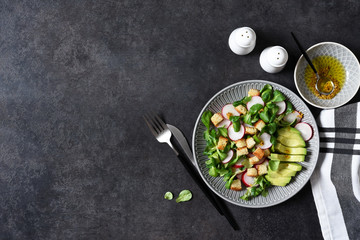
<point x="245" y="37"/>
<point x="277" y="56"/>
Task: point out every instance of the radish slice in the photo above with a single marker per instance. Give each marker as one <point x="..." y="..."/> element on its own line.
<point x="266" y="163"/>
<point x="263" y="160"/>
<point x="224" y="123"/>
<point x="247" y="180"/>
<point x="248" y="125"/>
<point x="255" y="100"/>
<point x="305" y="129"/>
<point x="265" y="141"/>
<point x="236" y="135"/>
<point x="229" y="109"/>
<point x="282" y="107"/>
<point x="239" y="176"/>
<point x="229" y="156"/>
<point x="292" y="116"/>
<point x="239" y="164"/>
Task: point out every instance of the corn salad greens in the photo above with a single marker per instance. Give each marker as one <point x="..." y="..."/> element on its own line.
<point x="184" y="196"/>
<point x="242" y="139"/>
<point x="168" y="196"/>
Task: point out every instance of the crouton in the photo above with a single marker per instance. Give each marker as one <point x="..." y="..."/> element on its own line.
<point x="254" y="92"/>
<point x="228" y="115"/>
<point x="259" y="153"/>
<point x="262" y="169"/>
<point x="254" y="160"/>
<point x="242" y="151"/>
<point x="259" y="125"/>
<point x="252" y="172"/>
<point x="222" y="143"/>
<point x="236" y="185"/>
<point x="250" y="142"/>
<point x="250" y="130"/>
<point x="216" y="119"/>
<point x="241" y="109"/>
<point x="266" y="153"/>
<point x="240" y="143"/>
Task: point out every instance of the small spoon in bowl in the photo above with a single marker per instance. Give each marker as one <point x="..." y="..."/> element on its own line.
<point x="326" y="85"/>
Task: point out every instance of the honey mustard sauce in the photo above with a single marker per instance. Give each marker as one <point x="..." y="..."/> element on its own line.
<point x="327" y="67"/>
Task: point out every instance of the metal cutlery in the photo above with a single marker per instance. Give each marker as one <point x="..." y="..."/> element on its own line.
<point x="163" y="134"/>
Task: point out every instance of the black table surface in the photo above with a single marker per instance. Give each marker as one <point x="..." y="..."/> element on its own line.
<point x="76" y="77"/>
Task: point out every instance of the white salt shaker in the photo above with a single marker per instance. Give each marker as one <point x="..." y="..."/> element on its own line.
<point x="273" y="59"/>
<point x="242" y="40"/>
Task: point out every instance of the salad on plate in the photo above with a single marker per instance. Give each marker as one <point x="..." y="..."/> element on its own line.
<point x="256" y="142"/>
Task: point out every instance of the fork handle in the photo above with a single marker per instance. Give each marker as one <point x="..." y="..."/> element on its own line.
<point x="210" y="195"/>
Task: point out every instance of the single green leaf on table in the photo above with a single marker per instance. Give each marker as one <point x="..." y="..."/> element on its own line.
<point x="185" y="195"/>
<point x="168" y="196"/>
<point x="206" y="118"/>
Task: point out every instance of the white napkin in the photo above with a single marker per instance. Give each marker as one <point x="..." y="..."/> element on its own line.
<point x="335" y="181"/>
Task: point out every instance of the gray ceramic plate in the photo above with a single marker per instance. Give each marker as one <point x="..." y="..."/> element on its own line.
<point x="276" y="194"/>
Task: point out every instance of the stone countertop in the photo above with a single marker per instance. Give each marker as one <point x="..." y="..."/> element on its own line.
<point x="76" y="159"/>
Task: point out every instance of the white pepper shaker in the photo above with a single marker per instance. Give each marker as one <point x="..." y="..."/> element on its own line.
<point x="273" y="59"/>
<point x="242" y="40"/>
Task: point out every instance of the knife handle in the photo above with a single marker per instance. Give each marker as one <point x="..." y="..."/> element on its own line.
<point x="218" y="204"/>
<point x="190" y="169"/>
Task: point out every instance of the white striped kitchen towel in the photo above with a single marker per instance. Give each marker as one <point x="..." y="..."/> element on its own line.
<point x="335" y="181"/>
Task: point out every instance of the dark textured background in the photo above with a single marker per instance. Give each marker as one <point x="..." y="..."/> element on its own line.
<point x="76" y="160"/>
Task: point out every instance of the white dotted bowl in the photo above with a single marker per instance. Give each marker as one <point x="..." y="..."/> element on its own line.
<point x="352" y="69"/>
